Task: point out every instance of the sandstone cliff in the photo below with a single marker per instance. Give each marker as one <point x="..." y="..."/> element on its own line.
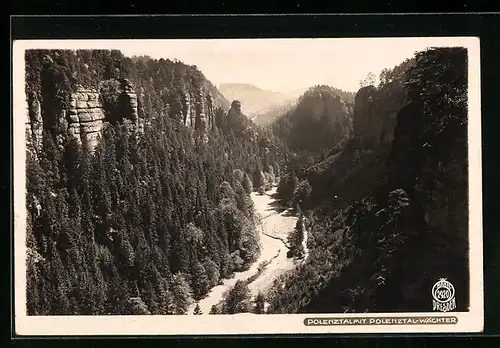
<point x="76" y="93"/>
<point x="375" y="113"/>
<point x="84" y="117"/>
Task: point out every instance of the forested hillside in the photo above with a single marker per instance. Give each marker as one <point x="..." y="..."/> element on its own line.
<point x="152" y="210"/>
<point x="387" y="209"/>
<point x="141" y="180"/>
<point x="318" y="122"/>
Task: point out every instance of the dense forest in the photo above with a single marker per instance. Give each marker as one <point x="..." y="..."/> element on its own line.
<point x="387" y="209"/>
<point x="145" y="222"/>
<point x="140" y="178"/>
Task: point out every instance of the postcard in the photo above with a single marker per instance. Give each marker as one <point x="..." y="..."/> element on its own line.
<point x="247" y="186"/>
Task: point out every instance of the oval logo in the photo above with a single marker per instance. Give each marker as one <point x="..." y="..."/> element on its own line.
<point x="443" y="291"/>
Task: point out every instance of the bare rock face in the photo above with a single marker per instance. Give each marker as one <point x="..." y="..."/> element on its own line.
<point x="127" y="104"/>
<point x="196" y="110"/>
<point x="85" y="116"/>
<point x="34" y="124"/>
<point x="366" y="126"/>
<point x="234" y="113"/>
<point x="187" y="114"/>
<point x="375" y="115"/>
<point x="204" y="111"/>
<point x="235" y="107"/>
<point x="129" y="100"/>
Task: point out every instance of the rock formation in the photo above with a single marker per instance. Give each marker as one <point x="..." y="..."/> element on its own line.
<point x="367" y="125"/>
<point x="375" y="113"/>
<point x="127" y="105"/>
<point x="233" y="113"/>
<point x="34" y="124"/>
<point x="69" y="100"/>
<point x="85" y="116"/>
<point x="195" y="106"/>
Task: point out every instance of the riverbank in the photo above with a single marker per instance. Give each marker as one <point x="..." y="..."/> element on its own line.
<point x="274" y="226"/>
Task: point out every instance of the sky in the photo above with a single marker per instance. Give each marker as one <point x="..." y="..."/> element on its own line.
<point x="283" y="65"/>
<point x="280" y="65"/>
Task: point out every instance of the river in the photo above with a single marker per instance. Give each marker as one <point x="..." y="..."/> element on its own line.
<point x="274" y="227"/>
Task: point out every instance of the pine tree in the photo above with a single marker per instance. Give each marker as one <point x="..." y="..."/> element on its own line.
<point x="212" y="272"/>
<point x="197" y="309"/>
<point x="247" y="184"/>
<point x="237" y="299"/>
<point x="295" y="239"/>
<point x="181" y="293"/>
<point x="214" y="310"/>
<point x="200" y="282"/>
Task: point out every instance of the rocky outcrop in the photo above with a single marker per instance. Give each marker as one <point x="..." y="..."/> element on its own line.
<point x="233" y="115"/>
<point x="85" y="116"/>
<point x="367" y="123"/>
<point x="203" y="111"/>
<point x="234" y="111"/>
<point x="68" y="99"/>
<point x="34" y="124"/>
<point x="375" y="112"/>
<point x="195" y="106"/>
<point x="197" y="109"/>
<point x="127" y="107"/>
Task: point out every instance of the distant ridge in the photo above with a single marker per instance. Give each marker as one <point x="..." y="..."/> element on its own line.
<point x="254" y="100"/>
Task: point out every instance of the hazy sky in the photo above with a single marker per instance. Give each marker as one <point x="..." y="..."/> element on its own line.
<point x="288" y="64"/>
<point x="279" y="65"/>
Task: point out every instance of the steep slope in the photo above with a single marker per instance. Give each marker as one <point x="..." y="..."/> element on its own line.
<point x="76" y="93"/>
<point x="143" y="219"/>
<point x="392" y="217"/>
<point x="254" y="99"/>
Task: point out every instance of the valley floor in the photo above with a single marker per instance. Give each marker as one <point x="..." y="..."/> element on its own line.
<point x="275" y="225"/>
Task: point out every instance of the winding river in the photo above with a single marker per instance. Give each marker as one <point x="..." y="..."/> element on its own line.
<point x="274" y="228"/>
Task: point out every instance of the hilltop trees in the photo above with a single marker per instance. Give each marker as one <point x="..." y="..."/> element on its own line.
<point x="370" y="80"/>
<point x="321" y="119"/>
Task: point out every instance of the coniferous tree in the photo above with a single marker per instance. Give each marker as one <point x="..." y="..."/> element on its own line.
<point x="182" y="296"/>
<point x="237" y="299"/>
<point x="247" y="184"/>
<point x="295" y="239"/>
<point x="197" y="309"/>
<point x="115" y="223"/>
<point x="214" y="310"/>
<point x="200" y="281"/>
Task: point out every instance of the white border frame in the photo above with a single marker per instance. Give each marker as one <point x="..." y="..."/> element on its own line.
<point x="472" y="321"/>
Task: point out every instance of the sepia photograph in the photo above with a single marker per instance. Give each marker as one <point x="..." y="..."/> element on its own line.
<point x="239" y="186"/>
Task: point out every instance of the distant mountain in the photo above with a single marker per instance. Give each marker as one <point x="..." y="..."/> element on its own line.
<point x="254" y="100"/>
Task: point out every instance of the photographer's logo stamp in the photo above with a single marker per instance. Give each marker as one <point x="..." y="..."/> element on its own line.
<point x="443" y="294"/>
